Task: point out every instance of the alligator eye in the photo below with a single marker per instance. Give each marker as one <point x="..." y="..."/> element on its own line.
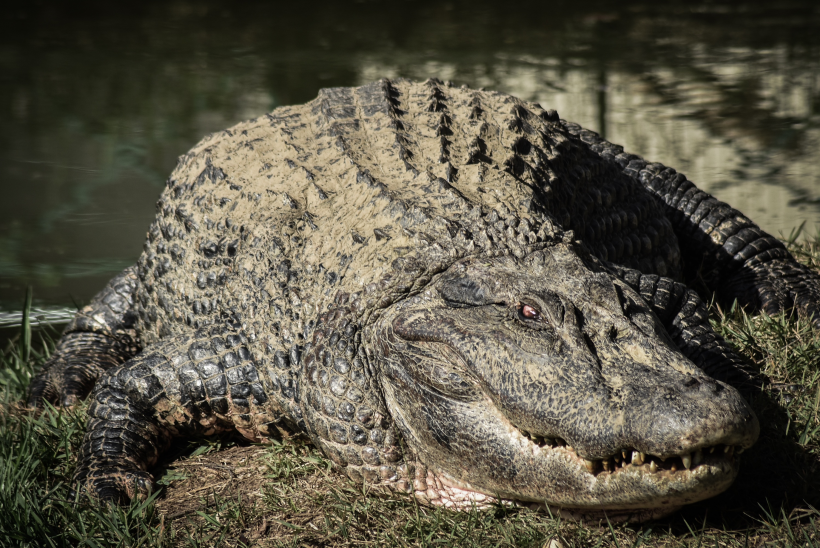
<point x="529" y="312"/>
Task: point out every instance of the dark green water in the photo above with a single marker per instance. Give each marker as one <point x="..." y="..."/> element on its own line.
<point x="97" y="99"/>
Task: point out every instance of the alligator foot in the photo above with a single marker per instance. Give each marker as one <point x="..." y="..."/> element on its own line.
<point x="69" y="375"/>
<point x="177" y="388"/>
<point x="117" y="482"/>
<point x="123" y="439"/>
<point x="99" y="337"/>
<point x="776" y="286"/>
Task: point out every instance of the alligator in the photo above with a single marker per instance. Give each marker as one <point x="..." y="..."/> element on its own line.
<point x="451" y="292"/>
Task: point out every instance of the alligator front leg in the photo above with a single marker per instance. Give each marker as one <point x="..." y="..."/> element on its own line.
<point x="732" y="255"/>
<point x="175" y="389"/>
<point x="685" y="317"/>
<point x="99" y="337"/>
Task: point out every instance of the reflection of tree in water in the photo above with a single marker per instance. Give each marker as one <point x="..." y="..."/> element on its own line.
<point x="100" y="99"/>
<point x="749" y="62"/>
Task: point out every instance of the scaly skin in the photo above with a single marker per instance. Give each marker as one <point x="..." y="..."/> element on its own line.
<point x="449" y="291"/>
<point x="733" y="255"/>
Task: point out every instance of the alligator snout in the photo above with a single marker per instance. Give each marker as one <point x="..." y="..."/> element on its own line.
<point x="649" y="397"/>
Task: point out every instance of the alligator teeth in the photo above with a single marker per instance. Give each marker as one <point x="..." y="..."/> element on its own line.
<point x="739" y="450"/>
<point x="638" y="458"/>
<point x="541" y="441"/>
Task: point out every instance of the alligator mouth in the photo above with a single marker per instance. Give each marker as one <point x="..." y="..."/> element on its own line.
<point x="449" y="492"/>
<point x="628" y="458"/>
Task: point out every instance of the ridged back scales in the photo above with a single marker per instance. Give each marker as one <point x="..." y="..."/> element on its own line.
<point x="266" y="223"/>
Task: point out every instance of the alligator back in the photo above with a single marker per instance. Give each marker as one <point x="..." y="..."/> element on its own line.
<point x="267" y="221"/>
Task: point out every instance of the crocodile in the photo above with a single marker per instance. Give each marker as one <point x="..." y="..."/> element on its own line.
<point x="451" y="292"/>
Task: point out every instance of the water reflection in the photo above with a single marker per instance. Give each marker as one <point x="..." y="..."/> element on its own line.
<point x="99" y="100"/>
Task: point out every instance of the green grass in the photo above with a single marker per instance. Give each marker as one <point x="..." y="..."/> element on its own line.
<point x="303" y="502"/>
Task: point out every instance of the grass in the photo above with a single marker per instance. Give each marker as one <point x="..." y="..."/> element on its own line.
<point x="221" y="492"/>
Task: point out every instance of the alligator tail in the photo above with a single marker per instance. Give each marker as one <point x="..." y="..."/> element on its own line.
<point x="686" y="319"/>
<point x="728" y="251"/>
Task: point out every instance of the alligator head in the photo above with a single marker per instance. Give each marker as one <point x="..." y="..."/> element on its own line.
<point x="546" y="379"/>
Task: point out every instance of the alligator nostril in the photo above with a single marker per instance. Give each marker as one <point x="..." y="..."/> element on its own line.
<point x="703" y="384"/>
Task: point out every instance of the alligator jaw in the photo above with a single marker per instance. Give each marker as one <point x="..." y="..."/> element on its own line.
<point x="452" y="494"/>
<point x="630" y="459"/>
<point x="716" y="465"/>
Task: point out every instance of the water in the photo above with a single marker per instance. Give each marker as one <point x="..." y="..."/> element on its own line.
<point x="97" y="99"/>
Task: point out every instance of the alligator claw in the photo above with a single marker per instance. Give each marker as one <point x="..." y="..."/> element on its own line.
<point x="63" y="382"/>
<point x="99" y="337"/>
<point x="114" y="484"/>
<point x="779" y="286"/>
